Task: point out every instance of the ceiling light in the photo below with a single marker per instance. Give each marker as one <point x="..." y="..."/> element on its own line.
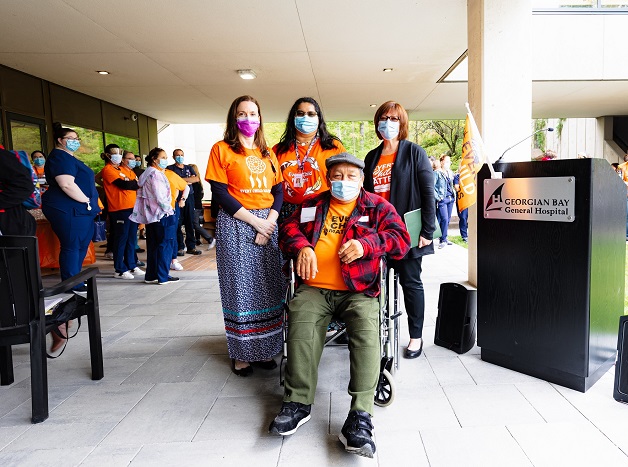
<point x="102" y="72"/>
<point x="247" y="74"/>
<point x="387" y="70"/>
<point x="373" y="105"/>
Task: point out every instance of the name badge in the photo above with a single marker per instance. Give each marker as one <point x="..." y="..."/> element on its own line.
<point x="308" y="214"/>
<point x="298" y="180"/>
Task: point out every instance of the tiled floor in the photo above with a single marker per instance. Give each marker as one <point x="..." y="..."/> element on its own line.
<point x="169" y="398"/>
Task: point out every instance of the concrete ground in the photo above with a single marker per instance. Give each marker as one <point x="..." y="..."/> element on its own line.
<point x="169" y="398"/>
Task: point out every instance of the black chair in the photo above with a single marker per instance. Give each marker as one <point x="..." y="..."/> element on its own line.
<point x="22" y="316"/>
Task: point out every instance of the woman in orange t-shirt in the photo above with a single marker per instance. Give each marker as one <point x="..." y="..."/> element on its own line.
<point x="302" y="151"/>
<point x="246" y="183"/>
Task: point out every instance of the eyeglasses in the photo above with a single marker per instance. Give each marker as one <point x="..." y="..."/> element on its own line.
<point x="300" y="113"/>
<point x="392" y="119"/>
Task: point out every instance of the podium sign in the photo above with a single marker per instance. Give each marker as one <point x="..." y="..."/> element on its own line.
<point x="530" y="199"/>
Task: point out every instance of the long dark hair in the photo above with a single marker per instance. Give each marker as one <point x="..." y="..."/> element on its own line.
<point x="231" y="136"/>
<point x="59" y="132"/>
<point x="326" y="139"/>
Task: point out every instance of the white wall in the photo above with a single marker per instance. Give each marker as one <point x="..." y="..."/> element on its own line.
<point x="582" y="135"/>
<point x="195" y="140"/>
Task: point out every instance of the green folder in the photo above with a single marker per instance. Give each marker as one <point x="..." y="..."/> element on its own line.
<point x="414" y="223"/>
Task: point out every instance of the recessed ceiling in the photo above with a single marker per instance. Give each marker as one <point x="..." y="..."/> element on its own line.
<point x="176" y="61"/>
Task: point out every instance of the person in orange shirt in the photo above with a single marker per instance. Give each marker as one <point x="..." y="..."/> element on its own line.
<point x="120" y="185"/>
<point x="302" y="151"/>
<point x="39" y="160"/>
<point x="246" y="183"/>
<point x="623" y="172"/>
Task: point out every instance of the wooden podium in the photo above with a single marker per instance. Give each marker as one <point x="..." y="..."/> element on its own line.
<point x="550" y="293"/>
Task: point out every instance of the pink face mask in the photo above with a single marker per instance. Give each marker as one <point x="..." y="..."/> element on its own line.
<point x="248" y="127"/>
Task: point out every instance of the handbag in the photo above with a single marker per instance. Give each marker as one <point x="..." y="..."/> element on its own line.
<point x="100" y="230"/>
<point x="70" y="309"/>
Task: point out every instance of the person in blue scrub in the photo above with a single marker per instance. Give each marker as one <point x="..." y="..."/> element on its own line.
<point x="71" y="201"/>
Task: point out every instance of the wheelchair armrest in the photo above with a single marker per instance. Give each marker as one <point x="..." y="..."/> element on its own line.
<point x="73" y="281"/>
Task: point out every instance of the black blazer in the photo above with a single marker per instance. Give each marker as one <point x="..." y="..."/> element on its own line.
<point x="411" y="187"/>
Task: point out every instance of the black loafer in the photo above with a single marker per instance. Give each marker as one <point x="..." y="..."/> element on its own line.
<point x="414" y="353"/>
<point x="194" y="252"/>
<point x="246" y="371"/>
<point x="265" y="365"/>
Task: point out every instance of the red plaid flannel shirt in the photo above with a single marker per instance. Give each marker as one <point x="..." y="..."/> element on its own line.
<point x="383" y="235"/>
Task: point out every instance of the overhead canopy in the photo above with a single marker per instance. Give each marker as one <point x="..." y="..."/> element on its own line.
<point x="176" y="60"/>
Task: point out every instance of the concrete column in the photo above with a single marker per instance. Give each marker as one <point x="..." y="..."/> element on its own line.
<point x="500" y="85"/>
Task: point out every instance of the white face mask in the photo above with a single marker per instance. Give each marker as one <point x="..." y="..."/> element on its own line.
<point x="345" y="190"/>
<point x="116" y="158"/>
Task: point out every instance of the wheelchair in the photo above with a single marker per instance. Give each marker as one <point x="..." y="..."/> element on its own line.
<point x="388" y="332"/>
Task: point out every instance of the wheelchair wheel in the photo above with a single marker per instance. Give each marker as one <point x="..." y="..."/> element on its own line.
<point x="385" y="390"/>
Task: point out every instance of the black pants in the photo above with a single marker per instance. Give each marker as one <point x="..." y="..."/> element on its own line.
<point x="200" y="230"/>
<point x="186" y="219"/>
<point x="409" y="271"/>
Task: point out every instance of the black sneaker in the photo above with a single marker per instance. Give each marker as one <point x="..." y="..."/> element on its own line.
<point x="291" y="416"/>
<point x="357" y="434"/>
<point x="194" y="252"/>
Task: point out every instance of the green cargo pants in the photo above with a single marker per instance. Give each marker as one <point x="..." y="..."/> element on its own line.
<point x="311" y="310"/>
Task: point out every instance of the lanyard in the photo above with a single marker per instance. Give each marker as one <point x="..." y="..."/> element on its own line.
<point x="301" y="163"/>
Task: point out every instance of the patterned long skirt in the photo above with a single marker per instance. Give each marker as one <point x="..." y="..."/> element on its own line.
<point x="252" y="289"/>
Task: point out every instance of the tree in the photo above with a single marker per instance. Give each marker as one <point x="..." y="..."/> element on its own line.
<point x="450" y="131"/>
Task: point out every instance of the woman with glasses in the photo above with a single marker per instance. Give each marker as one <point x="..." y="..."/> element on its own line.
<point x="246" y="183"/>
<point x="302" y="151"/>
<point x="71" y="201"/>
<point x="400" y="171"/>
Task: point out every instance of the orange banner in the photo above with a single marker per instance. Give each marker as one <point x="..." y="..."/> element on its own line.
<point x="472" y="159"/>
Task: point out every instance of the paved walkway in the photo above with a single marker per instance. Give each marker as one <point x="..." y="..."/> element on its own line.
<point x="169" y="398"/>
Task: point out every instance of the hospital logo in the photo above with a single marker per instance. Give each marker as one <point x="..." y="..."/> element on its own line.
<point x="495" y="201"/>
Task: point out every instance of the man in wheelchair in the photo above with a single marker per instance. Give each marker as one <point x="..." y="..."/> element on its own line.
<point x="337" y="240"/>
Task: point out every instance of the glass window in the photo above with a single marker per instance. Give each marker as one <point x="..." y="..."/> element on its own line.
<point x="25" y="136"/>
<point x="91" y="147"/>
<point x="613" y="4"/>
<point x="127" y="144"/>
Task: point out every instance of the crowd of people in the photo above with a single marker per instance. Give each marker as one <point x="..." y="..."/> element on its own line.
<point x="306" y="200"/>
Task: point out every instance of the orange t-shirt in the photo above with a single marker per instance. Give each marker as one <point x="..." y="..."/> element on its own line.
<point x="300" y="184"/>
<point x="117" y="198"/>
<point x="177" y="184"/>
<point x="381" y="175"/>
<point x="327" y="247"/>
<point x="249" y="177"/>
<point x="39" y="171"/>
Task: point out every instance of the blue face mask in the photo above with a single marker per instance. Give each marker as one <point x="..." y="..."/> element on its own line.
<point x="179" y="159"/>
<point x="305" y="124"/>
<point x="72" y="144"/>
<point x="163" y="163"/>
<point x="389" y="130"/>
<point x="345" y="190"/>
<point x="132" y="164"/>
<point x="39" y="161"/>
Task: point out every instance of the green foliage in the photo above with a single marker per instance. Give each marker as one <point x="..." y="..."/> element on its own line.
<point x="539" y="139"/>
<point x="273" y="132"/>
<point x="91" y="147"/>
<point x="25" y="137"/>
<point x="127" y="144"/>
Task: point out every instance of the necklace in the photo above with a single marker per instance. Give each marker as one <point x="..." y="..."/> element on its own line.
<point x="303" y="143"/>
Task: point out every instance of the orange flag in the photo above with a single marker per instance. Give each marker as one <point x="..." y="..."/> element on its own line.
<point x="473" y="156"/>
